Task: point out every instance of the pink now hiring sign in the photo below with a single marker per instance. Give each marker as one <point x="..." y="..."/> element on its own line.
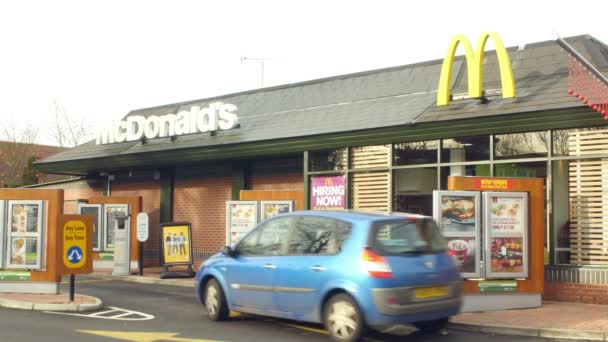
<point x="327" y="193"/>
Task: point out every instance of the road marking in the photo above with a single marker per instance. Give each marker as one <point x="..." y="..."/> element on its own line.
<point x="87" y="281"/>
<point x="120" y="314"/>
<point x="142" y="336"/>
<point x="320" y="331"/>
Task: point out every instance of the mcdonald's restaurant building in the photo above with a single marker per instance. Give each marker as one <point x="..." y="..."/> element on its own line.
<point x="392" y="134"/>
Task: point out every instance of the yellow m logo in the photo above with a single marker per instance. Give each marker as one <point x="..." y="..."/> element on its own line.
<point x="474" y="68"/>
<point x="328" y="182"/>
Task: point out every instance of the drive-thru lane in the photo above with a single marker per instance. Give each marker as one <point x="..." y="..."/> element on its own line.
<point x="175" y="317"/>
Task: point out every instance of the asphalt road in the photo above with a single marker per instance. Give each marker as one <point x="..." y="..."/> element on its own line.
<point x="177" y="317"/>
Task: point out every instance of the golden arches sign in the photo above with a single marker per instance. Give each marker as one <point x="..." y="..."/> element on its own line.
<point x="474" y="67"/>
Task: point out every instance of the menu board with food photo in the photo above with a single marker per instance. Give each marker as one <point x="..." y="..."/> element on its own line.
<point x="25" y="234"/>
<point x="24" y="218"/>
<point x="457" y="212"/>
<point x="507" y="215"/>
<point x="274" y="208"/>
<point x="506" y="234"/>
<point x="464" y="253"/>
<point x="507" y="255"/>
<point x="241" y="218"/>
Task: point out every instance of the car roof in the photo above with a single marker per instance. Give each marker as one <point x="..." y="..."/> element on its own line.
<point x="356" y="215"/>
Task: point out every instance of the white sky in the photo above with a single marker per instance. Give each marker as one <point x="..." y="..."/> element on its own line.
<point x="100" y="59"/>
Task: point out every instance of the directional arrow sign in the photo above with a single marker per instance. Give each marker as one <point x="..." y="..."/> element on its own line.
<point x="142" y="336"/>
<point x="74" y="254"/>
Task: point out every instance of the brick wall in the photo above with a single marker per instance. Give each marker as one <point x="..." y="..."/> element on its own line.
<point x="75" y="192"/>
<point x="284" y="174"/>
<point x="145" y="186"/>
<point x="575" y="292"/>
<point x="200" y="195"/>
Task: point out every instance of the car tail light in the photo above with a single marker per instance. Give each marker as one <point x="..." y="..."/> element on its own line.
<point x="376" y="265"/>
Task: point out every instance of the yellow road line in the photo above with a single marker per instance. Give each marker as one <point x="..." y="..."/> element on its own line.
<point x="87" y="281"/>
<point x="318" y="331"/>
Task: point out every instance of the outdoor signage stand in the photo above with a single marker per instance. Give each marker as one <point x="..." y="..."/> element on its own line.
<point x="176" y="249"/>
<point x="77" y="243"/>
<point x="458" y="214"/>
<point x="513" y="235"/>
<point x="143" y="232"/>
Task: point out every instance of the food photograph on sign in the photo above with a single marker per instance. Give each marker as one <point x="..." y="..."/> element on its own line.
<point x="274" y="209"/>
<point x="507" y="215"/>
<point x="242" y="220"/>
<point x="507" y="255"/>
<point x="458" y="214"/>
<point x="176" y="244"/>
<point x="463" y="252"/>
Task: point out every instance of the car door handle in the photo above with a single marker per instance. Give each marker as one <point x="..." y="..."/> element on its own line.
<point x="318" y="268"/>
<point x="269" y="267"/>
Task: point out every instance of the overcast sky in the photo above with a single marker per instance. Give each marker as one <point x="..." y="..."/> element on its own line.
<point x="100" y="59"/>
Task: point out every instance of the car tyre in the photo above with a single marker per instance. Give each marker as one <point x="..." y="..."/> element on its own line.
<point x="432" y="327"/>
<point x="215" y="301"/>
<point x="343" y="319"/>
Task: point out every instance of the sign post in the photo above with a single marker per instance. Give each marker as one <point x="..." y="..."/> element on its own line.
<point x="143" y="232"/>
<point x="77" y="246"/>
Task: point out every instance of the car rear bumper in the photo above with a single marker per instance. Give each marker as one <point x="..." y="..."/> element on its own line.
<point x="396" y="306"/>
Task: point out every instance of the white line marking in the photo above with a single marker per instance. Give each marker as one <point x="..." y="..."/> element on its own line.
<point x="119" y="316"/>
<point x="103" y="312"/>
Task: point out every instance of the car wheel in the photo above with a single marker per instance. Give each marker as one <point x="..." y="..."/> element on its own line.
<point x="343" y="319"/>
<point x="432" y="327"/>
<point x="215" y="302"/>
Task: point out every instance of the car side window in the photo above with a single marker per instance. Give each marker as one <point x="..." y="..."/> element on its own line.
<point x="268" y="239"/>
<point x="317" y="236"/>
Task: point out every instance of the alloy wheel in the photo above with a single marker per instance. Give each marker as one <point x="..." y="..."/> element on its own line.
<point x="342" y="320"/>
<point x="211" y="300"/>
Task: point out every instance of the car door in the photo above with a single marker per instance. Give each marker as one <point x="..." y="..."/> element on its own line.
<point x="313" y="245"/>
<point x="251" y="273"/>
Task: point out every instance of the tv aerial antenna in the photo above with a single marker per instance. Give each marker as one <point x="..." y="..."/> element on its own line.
<point x="261" y="61"/>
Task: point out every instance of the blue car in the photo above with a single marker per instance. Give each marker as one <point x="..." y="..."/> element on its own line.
<point x="348" y="270"/>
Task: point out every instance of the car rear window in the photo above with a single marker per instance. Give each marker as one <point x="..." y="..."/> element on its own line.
<point x="407" y="236"/>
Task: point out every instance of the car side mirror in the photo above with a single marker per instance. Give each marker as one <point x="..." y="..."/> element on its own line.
<point x="227" y="251"/>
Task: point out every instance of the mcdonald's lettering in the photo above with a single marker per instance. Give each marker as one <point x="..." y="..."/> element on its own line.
<point x="474" y="61"/>
<point x="327" y="193"/>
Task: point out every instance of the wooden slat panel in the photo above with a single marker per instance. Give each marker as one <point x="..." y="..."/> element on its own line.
<point x="371" y="191"/>
<point x="588" y="195"/>
<point x="370" y="156"/>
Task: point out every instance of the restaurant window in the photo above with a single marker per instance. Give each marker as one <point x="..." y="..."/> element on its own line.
<point x="479" y="170"/>
<point x="419" y="152"/>
<point x="521" y="145"/>
<point x="561" y="211"/>
<point x="327" y="160"/>
<point x="567" y="142"/>
<point x="521" y="170"/>
<point x="414" y="190"/>
<point x="465" y="149"/>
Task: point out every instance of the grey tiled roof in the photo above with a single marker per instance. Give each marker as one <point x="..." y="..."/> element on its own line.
<point x="374" y="99"/>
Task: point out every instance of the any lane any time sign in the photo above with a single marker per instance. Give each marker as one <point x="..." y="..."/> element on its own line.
<point x="77" y="243"/>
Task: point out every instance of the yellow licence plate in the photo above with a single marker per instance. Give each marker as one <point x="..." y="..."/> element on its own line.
<point x="431" y="292"/>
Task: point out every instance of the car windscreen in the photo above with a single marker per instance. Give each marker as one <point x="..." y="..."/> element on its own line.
<point x="407" y="236"/>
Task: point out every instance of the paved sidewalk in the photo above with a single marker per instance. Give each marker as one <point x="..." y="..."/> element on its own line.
<point x="151" y="276"/>
<point x="553" y="320"/>
<point x="49" y="302"/>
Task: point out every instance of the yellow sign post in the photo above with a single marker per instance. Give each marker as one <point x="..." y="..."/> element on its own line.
<point x="474" y="68"/>
<point x="77" y="251"/>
